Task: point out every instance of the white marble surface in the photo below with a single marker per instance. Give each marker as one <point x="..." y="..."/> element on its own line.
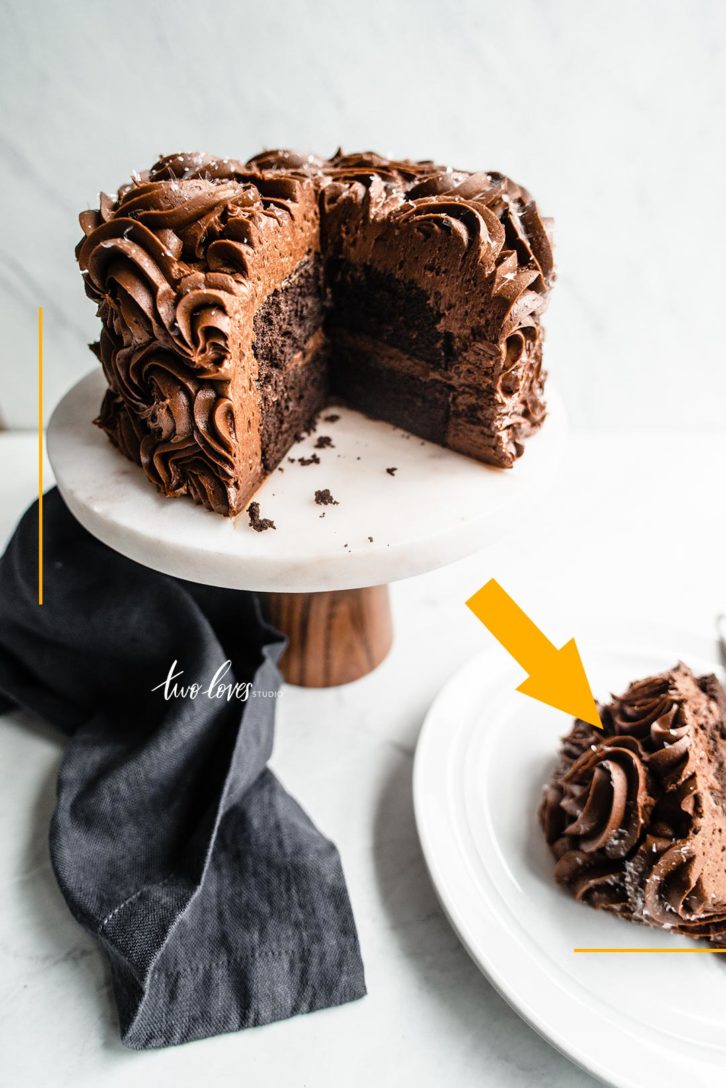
<point x="434" y="507"/>
<point x="610" y="111"/>
<point x="346" y="753"/>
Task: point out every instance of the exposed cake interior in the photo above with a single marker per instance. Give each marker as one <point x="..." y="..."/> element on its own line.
<point x="292" y="357"/>
<point x="237" y="297"/>
<point x="636" y="815"/>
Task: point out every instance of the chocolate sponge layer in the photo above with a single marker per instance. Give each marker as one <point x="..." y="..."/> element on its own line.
<point x="396" y="312"/>
<point x="291" y="398"/>
<point x="359" y="377"/>
<point x="290" y="316"/>
<point x="292" y="377"/>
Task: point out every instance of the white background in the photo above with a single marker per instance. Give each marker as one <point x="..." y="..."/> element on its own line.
<point x="610" y="112"/>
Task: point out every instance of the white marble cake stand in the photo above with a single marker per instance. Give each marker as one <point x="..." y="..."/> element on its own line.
<point x="325" y="576"/>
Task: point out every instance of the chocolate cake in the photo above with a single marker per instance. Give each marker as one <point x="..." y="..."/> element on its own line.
<point x="237" y="298"/>
<point x="636" y="813"/>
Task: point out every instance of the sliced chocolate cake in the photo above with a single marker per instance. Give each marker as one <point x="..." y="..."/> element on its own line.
<point x="636" y="813"/>
<point x="236" y="298"/>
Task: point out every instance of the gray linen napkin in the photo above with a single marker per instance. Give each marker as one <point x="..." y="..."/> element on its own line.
<point x="218" y="903"/>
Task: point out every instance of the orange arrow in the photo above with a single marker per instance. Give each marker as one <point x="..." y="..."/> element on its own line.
<point x="556" y="677"/>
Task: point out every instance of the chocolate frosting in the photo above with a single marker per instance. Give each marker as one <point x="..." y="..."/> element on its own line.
<point x="635" y="815"/>
<point x="179" y="262"/>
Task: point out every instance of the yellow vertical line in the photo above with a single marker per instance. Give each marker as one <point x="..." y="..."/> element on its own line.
<point x="40" y="455"/>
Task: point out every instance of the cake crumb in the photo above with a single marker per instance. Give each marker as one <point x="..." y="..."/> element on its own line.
<point x="313" y="459"/>
<point x="258" y="523"/>
<point x="392" y="471"/>
<point x="324" y="442"/>
<point x="332" y="418"/>
<point x="324" y="498"/>
<point x="370" y="538"/>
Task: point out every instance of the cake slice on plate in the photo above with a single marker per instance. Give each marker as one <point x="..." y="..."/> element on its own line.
<point x="635" y="814"/>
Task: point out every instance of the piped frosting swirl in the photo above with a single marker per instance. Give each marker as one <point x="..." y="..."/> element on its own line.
<point x="636" y="815"/>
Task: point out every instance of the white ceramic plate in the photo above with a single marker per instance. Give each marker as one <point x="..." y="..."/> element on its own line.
<point x="635" y="1021"/>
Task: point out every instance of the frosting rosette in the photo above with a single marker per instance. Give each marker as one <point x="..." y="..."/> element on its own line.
<point x="634" y="814"/>
<point x="182" y="430"/>
<point x="144" y="262"/>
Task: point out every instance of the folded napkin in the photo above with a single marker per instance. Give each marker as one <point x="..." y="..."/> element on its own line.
<point x="218" y="902"/>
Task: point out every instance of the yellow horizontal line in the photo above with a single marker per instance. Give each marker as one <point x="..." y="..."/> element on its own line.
<point x="664" y="951"/>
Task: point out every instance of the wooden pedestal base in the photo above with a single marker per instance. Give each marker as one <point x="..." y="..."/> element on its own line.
<point x="334" y="637"/>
